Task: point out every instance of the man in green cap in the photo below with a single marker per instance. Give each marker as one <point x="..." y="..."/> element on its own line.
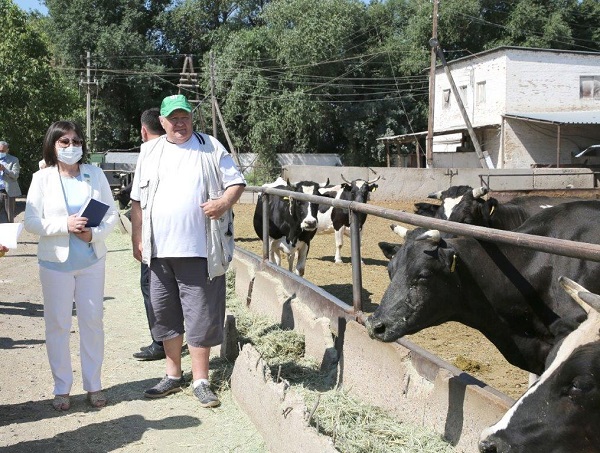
<point x="184" y="186"/>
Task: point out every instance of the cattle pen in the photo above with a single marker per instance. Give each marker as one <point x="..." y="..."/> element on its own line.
<point x="420" y="387"/>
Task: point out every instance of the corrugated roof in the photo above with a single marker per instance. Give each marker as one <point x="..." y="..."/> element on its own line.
<point x="589" y="117"/>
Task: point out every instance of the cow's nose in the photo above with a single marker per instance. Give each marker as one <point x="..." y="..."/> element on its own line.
<point x="374" y="327"/>
<point x="310" y="224"/>
<point x="488" y="446"/>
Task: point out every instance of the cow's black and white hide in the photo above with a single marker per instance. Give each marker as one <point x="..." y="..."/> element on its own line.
<point x="292" y="223"/>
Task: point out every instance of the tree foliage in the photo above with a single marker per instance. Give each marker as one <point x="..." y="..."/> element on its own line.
<point x="290" y="75"/>
<point x="33" y="94"/>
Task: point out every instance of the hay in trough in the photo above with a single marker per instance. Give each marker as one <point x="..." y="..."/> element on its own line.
<point x="354" y="427"/>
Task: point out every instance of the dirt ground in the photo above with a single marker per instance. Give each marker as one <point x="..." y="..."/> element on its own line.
<point x="457" y="344"/>
<point x="130" y="422"/>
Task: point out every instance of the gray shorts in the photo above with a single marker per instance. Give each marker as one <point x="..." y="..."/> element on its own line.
<point x="184" y="300"/>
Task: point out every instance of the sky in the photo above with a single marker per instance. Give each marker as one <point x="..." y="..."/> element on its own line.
<point x="30" y="5"/>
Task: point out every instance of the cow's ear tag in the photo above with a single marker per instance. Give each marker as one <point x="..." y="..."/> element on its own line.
<point x="492" y="210"/>
<point x="286" y="198"/>
<point x="453" y="265"/>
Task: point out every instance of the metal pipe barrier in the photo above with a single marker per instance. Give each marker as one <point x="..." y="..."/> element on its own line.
<point x="563" y="247"/>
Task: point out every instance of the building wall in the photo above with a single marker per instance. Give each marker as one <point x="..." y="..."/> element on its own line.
<point x="527" y="143"/>
<point x="490" y="69"/>
<point x="548" y="81"/>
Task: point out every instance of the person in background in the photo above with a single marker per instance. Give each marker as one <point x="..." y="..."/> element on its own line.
<point x="175" y="215"/>
<point x="71" y="258"/>
<point x="151" y="129"/>
<point x="9" y="184"/>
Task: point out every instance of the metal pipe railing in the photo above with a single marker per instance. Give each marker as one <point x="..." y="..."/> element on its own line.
<point x="563" y="247"/>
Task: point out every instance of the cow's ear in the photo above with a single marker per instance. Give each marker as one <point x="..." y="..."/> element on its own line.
<point x="389" y="250"/>
<point x="346" y="186"/>
<point x="449" y="257"/>
<point x="373" y="187"/>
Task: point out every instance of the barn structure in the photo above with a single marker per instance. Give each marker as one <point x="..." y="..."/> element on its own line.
<point x="528" y="107"/>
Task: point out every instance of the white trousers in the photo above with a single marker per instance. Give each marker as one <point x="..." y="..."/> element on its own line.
<point x="60" y="289"/>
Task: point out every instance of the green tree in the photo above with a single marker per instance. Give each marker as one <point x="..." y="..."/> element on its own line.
<point x="123" y="39"/>
<point x="33" y="94"/>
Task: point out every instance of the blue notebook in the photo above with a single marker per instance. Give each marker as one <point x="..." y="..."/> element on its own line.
<point x="94" y="211"/>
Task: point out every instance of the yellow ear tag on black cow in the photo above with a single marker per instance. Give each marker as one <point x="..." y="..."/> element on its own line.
<point x="453" y="266"/>
<point x="286" y="198"/>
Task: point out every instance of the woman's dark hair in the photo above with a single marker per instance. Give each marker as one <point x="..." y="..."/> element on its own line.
<point x="56" y="131"/>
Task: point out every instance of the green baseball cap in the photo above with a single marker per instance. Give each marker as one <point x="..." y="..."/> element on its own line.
<point x="174" y="102"/>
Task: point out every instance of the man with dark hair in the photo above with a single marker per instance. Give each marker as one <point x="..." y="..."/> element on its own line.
<point x="151" y="129"/>
<point x="9" y="186"/>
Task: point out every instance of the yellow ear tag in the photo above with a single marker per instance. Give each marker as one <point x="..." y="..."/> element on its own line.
<point x="492" y="210"/>
<point x="453" y="266"/>
<point x="286" y="198"/>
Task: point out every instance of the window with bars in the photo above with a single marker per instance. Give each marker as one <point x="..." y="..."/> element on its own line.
<point x="446" y="99"/>
<point x="589" y="87"/>
<point x="480" y="93"/>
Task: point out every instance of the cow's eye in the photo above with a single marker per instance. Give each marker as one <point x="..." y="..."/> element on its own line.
<point x="424" y="276"/>
<point x="580" y="386"/>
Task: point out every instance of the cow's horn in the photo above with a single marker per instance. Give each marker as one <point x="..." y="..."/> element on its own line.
<point x="437" y="195"/>
<point x="479" y="192"/>
<point x="431" y="235"/>
<point x="579" y="294"/>
<point x="399" y="230"/>
<point x="345" y="180"/>
<point x="374" y="180"/>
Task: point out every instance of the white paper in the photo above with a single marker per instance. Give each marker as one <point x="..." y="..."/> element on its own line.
<point x="9" y="234"/>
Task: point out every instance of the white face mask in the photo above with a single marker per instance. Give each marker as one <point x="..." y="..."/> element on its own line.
<point x="70" y="155"/>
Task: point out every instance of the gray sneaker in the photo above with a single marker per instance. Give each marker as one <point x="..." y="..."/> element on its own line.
<point x="165" y="387"/>
<point x="206" y="396"/>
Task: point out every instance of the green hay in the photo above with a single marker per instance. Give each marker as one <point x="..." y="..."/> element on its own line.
<point x="353" y="426"/>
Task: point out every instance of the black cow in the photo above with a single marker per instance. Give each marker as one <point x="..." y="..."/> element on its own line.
<point x="560" y="413"/>
<point x="337" y="220"/>
<point x="464" y="204"/>
<point x="292" y="223"/>
<point x="508" y="293"/>
<point x="123" y="196"/>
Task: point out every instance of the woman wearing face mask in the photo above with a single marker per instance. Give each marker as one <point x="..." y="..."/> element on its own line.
<point x="71" y="258"/>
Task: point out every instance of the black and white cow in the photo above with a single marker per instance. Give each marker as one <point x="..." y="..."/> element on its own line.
<point x="292" y="223"/>
<point x="560" y="413"/>
<point x="333" y="219"/>
<point x="510" y="294"/>
<point x="450" y="197"/>
<point x="464" y="204"/>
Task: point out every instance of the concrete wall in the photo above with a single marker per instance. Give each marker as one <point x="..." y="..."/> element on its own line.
<point x="402" y="378"/>
<point x="415" y="183"/>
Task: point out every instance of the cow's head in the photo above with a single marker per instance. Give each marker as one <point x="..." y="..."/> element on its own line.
<point x="358" y="189"/>
<point x="421" y="270"/>
<point x="560" y="413"/>
<point x="305" y="212"/>
<point x="453" y="196"/>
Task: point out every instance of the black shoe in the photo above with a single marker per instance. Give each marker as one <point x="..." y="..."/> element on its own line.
<point x="165" y="387"/>
<point x="206" y="396"/>
<point x="152" y="352"/>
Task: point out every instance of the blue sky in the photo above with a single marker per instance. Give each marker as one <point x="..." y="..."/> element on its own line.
<point x="29" y="5"/>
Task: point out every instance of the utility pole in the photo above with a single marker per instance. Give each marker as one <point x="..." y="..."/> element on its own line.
<point x="484" y="157"/>
<point x="429" y="143"/>
<point x="189" y="82"/>
<point x="88" y="100"/>
<point x="212" y="94"/>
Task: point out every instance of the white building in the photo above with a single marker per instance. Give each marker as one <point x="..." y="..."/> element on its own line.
<point x="528" y="107"/>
